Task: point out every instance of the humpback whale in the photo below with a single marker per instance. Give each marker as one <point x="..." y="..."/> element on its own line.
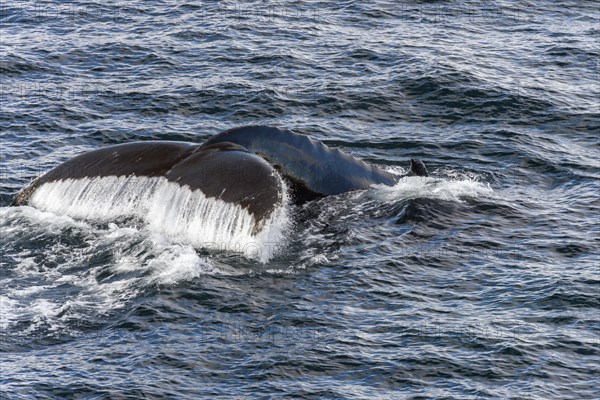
<point x="249" y="166"/>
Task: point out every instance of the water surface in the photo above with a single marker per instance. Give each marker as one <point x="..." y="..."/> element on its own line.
<point x="481" y="282"/>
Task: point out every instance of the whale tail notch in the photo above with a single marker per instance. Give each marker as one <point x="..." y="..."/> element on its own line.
<point x="417" y="168"/>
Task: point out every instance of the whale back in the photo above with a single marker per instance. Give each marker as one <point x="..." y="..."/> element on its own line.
<point x="313" y="169"/>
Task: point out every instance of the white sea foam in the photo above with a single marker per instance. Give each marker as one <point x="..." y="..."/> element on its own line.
<point x="8" y="311"/>
<point x="162" y="251"/>
<point x="434" y="188"/>
<point x="169" y="208"/>
<point x="138" y="257"/>
<point x="132" y="260"/>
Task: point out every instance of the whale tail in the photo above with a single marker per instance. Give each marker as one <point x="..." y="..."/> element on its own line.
<point x="417" y="168"/>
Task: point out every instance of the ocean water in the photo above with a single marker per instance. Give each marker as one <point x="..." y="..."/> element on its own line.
<point x="478" y="282"/>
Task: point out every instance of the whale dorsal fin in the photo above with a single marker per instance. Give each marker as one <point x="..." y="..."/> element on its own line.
<point x="417" y="168"/>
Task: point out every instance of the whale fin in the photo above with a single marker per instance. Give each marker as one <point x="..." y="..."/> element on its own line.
<point x="417" y="168"/>
<point x="149" y="158"/>
<point x="225" y="171"/>
<point x="228" y="172"/>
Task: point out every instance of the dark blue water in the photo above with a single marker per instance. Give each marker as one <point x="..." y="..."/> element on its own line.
<point x="480" y="283"/>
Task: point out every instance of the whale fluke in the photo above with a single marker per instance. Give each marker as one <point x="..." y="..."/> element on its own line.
<point x="224" y="171"/>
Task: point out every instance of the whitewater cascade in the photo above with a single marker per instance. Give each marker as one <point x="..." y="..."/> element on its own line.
<point x="168" y="208"/>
